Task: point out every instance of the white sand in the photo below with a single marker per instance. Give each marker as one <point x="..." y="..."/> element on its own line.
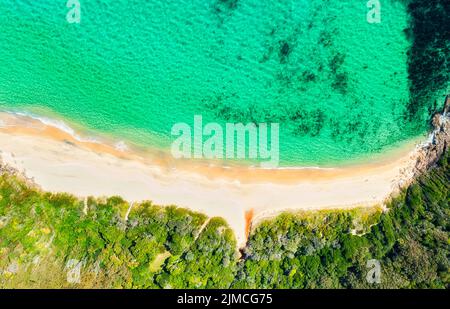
<point x="58" y="166"/>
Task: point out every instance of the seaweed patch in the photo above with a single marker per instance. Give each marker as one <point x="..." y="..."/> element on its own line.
<point x="429" y="70"/>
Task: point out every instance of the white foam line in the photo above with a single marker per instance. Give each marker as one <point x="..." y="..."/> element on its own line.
<point x="55" y="123"/>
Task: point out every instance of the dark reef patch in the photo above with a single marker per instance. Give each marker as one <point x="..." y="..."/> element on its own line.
<point x="338" y="75"/>
<point x="337" y="62"/>
<point x="229" y="4"/>
<point x="285" y="50"/>
<point x="224" y="8"/>
<point x="308" y="76"/>
<point x="326" y="39"/>
<point x="308" y="123"/>
<point x="345" y="130"/>
<point x="429" y="70"/>
<point x="340" y="83"/>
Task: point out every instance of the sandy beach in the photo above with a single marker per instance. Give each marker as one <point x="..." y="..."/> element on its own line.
<point x="59" y="162"/>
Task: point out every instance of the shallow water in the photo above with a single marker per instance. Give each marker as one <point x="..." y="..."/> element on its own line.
<point x="337" y="84"/>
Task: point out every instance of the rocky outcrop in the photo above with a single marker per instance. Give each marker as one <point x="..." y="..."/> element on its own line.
<point x="439" y="141"/>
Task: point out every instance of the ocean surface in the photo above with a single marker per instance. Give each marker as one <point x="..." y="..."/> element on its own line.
<point x="338" y="85"/>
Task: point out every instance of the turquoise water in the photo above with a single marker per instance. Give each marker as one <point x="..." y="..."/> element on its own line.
<point x="337" y="85"/>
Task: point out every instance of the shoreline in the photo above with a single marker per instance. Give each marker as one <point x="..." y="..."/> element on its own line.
<point x="58" y="128"/>
<point x="58" y="162"/>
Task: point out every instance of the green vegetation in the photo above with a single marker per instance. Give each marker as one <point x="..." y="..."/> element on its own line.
<point x="43" y="235"/>
<point x="411" y="242"/>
